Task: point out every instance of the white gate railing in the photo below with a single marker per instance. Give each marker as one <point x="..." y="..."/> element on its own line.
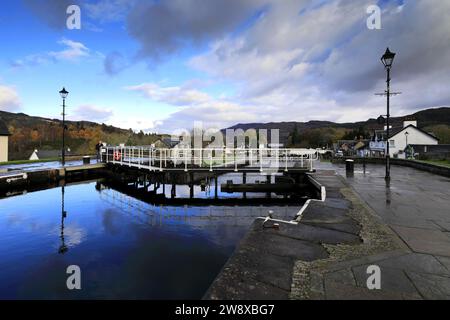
<point x="211" y="159"/>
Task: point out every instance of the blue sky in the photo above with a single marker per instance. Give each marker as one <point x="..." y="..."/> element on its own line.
<point x="162" y="65"/>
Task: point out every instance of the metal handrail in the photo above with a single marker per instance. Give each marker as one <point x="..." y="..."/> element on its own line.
<point x="161" y="159"/>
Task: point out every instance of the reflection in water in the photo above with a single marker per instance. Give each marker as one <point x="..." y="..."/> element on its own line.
<point x="62" y="248"/>
<point x="388" y="191"/>
<point x="126" y="248"/>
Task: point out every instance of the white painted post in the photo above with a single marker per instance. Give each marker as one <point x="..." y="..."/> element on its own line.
<point x="286" y="159"/>
<point x="139" y="158"/>
<point x="260" y="160"/>
<point x="235" y="161"/>
<point x="165" y="158"/>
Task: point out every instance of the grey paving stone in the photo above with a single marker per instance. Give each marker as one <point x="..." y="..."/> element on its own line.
<point x="445" y="261"/>
<point x="431" y="286"/>
<point x="344" y="276"/>
<point x="340" y="291"/>
<point x="412" y="223"/>
<point x="392" y="279"/>
<point x="309" y="233"/>
<point x="444" y="225"/>
<point x="425" y="241"/>
<point x="349" y="227"/>
<point x="245" y="289"/>
<point x="319" y="212"/>
<point x="266" y="268"/>
<point x="287" y="247"/>
<point x="416" y="262"/>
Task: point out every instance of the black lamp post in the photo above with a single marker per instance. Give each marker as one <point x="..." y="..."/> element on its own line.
<point x="406" y="148"/>
<point x="387" y="59"/>
<point x="64" y="93"/>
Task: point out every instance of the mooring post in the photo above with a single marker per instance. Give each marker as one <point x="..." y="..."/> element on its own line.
<point x="215" y="187"/>
<point x="164" y="183"/>
<point x="268" y="181"/>
<point x="191" y="184"/>
<point x="173" y="191"/>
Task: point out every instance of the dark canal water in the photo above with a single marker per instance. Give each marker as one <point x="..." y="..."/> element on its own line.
<point x="125" y="248"/>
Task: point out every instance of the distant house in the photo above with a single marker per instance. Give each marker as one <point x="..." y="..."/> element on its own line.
<point x="399" y="138"/>
<point x="47" y="154"/>
<point x="4" y="137"/>
<point x="355" y="147"/>
<point x="166" y="143"/>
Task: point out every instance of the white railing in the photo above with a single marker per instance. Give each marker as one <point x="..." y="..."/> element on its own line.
<point x="211" y="159"/>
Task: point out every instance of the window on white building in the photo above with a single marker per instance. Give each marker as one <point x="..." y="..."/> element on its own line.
<point x="392" y="143"/>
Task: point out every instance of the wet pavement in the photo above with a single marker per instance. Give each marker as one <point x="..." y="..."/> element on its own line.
<point x="403" y="228"/>
<point x="415" y="205"/>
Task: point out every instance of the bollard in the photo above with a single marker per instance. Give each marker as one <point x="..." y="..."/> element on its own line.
<point x="86" y="160"/>
<point x="349" y="166"/>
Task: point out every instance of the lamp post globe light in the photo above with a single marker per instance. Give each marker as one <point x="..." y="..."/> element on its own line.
<point x="387" y="59"/>
<point x="64" y="93"/>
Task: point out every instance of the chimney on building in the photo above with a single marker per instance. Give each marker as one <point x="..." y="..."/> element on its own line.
<point x="409" y="121"/>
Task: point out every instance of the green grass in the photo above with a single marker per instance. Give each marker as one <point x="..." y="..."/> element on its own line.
<point x="28" y="161"/>
<point x="445" y="163"/>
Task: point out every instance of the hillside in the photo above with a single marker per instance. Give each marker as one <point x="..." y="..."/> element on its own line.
<point x="323" y="133"/>
<point x="29" y="133"/>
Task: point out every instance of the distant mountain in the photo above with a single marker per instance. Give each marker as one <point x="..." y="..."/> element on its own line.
<point x="29" y="133"/>
<point x="430" y="119"/>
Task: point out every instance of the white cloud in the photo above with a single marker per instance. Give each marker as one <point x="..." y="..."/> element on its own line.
<point x="136" y="123"/>
<point x="9" y="98"/>
<point x="72" y="52"/>
<point x="325" y="64"/>
<point x="92" y="113"/>
<point x="178" y="96"/>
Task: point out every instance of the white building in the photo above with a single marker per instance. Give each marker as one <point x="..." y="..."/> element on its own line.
<point x="399" y="138"/>
<point x="4" y="137"/>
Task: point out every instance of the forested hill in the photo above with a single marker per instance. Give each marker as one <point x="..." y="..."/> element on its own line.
<point x="323" y="133"/>
<point x="29" y="133"/>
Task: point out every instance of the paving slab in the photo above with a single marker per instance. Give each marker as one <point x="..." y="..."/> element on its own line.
<point x="308" y="232"/>
<point x="431" y="286"/>
<point x="416" y="262"/>
<point x="425" y="240"/>
<point x="392" y="280"/>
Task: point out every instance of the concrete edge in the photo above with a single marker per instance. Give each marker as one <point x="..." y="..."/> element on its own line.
<point x="323" y="195"/>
